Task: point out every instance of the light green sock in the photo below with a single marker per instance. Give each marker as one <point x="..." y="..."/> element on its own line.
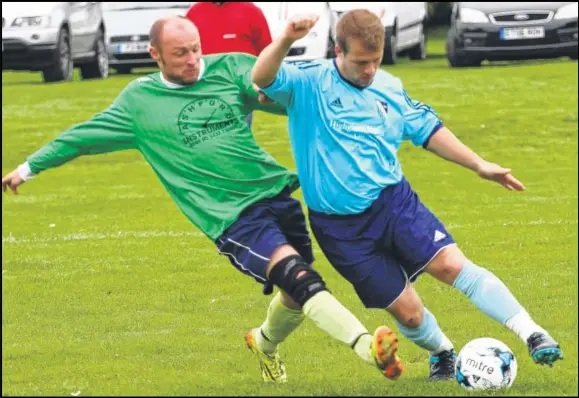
<point x="336" y="320"/>
<point x="281" y="321"/>
<point x="363" y="348"/>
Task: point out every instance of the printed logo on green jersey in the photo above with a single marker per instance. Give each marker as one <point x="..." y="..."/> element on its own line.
<point x="205" y="119"/>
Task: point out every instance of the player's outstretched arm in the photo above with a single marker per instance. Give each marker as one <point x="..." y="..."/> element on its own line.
<point x="446" y="145"/>
<point x="110" y="130"/>
<point x="270" y="59"/>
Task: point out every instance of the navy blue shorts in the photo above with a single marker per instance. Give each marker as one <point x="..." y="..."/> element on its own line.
<point x="382" y="248"/>
<point x="260" y="229"/>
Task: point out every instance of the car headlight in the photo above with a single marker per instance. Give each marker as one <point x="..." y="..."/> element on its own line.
<point x="469" y="15"/>
<point x="567" y="12"/>
<point x="31" y="22"/>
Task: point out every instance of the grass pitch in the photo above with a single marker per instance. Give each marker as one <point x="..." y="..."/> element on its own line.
<point x="108" y="290"/>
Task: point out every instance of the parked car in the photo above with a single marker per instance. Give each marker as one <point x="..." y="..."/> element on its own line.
<point x="128" y="25"/>
<point x="54" y="37"/>
<point x="511" y="31"/>
<point x="404" y="26"/>
<point x="318" y="44"/>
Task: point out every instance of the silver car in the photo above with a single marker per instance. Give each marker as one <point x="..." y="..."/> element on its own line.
<point x="54" y="37"/>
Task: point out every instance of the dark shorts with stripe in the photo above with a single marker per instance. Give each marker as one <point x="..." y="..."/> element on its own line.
<point x="379" y="250"/>
<point x="260" y="229"/>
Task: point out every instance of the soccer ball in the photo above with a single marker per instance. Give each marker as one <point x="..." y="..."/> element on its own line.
<point x="485" y="364"/>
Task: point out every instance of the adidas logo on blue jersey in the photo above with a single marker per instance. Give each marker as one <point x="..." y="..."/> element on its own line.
<point x="337" y="102"/>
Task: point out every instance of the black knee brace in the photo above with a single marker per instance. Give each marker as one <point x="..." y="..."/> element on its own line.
<point x="294" y="276"/>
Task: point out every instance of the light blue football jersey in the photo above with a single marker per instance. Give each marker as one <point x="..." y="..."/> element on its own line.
<point x="344" y="138"/>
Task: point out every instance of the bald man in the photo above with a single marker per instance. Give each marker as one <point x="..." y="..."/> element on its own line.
<point x="188" y="123"/>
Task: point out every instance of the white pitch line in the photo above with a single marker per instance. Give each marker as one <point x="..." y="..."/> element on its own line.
<point x="11" y="239"/>
<point x="512" y="223"/>
<point x="98" y="236"/>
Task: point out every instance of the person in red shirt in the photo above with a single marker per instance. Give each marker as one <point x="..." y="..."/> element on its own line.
<point x="226" y="27"/>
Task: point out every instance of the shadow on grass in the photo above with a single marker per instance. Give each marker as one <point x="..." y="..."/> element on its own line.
<point x="24" y="82"/>
<point x="510" y="64"/>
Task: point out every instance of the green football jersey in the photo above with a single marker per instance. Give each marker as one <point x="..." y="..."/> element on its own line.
<point x="194" y="137"/>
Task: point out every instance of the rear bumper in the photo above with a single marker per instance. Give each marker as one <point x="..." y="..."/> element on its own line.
<point x="28" y="48"/>
<point x="483" y="41"/>
<point x="142" y="59"/>
<point x="19" y="55"/>
<point x="132" y="62"/>
<point x="522" y="52"/>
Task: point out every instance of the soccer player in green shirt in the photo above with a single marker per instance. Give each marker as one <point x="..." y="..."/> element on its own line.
<point x="188" y="123"/>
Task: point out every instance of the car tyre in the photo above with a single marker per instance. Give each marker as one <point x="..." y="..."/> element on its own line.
<point x="454" y="58"/>
<point x="331" y="51"/>
<point x="98" y="68"/>
<point x="63" y="66"/>
<point x="418" y="52"/>
<point x="390" y="57"/>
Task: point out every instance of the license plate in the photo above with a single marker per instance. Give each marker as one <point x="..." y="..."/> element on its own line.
<point x="136" y="47"/>
<point x="531" y="32"/>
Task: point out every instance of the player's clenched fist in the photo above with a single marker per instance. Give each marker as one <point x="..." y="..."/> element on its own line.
<point x="300" y="26"/>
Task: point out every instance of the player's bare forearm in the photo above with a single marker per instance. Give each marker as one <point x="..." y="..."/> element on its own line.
<point x="446" y="145"/>
<point x="269" y="61"/>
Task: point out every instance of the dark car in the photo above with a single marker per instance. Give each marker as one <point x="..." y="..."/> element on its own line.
<point x="511" y="31"/>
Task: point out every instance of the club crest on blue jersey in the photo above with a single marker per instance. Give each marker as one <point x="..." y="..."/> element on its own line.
<point x="382" y="109"/>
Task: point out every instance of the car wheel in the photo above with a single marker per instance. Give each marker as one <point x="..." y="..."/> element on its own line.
<point x="331" y="51"/>
<point x="390" y="56"/>
<point x="418" y="52"/>
<point x="63" y="66"/>
<point x="454" y="58"/>
<point x="98" y="68"/>
<point x="123" y="70"/>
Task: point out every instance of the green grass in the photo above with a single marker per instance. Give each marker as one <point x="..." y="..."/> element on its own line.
<point x="108" y="290"/>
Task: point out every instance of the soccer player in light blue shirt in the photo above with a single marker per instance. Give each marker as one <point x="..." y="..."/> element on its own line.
<point x="347" y="119"/>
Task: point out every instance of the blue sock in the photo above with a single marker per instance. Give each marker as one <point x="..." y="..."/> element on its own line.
<point x="428" y="335"/>
<point x="487" y="292"/>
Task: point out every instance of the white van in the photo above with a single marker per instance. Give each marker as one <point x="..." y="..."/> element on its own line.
<point x="127" y="34"/>
<point x="404" y="26"/>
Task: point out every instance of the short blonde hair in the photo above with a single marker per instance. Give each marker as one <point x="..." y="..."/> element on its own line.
<point x="363" y="25"/>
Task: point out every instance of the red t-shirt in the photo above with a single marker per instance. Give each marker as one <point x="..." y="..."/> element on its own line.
<point x="230" y="27"/>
